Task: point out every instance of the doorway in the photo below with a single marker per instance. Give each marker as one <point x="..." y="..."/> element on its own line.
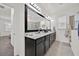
<point x="6" y="19"/>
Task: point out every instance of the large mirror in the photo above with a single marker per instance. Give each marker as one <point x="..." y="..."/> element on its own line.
<point x="36" y="21"/>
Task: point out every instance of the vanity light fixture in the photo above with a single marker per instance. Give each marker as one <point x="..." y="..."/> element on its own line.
<point x="48" y="17"/>
<point x="35" y="6"/>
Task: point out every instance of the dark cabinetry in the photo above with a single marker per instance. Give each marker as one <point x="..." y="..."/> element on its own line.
<point x="52" y="38"/>
<point x="29" y="47"/>
<point x="47" y="42"/>
<point x="38" y="47"/>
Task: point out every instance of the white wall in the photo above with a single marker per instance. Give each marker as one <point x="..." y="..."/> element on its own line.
<point x="18" y="28"/>
<point x="61" y="21"/>
<point x="53" y="25"/>
<point x="75" y="42"/>
<point x="61" y="29"/>
<point x="6" y="12"/>
<point x="75" y="38"/>
<point x="4" y="27"/>
<point x="5" y="19"/>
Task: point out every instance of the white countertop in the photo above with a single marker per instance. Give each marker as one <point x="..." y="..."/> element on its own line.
<point x="36" y="35"/>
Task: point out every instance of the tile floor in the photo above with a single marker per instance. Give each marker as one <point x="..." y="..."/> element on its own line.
<point x="56" y="49"/>
<point x="6" y="48"/>
<point x="59" y="49"/>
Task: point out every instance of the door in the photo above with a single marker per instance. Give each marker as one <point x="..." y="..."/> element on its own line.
<point x="6" y="49"/>
<point x="40" y="47"/>
<point x="62" y="29"/>
<point x="47" y="43"/>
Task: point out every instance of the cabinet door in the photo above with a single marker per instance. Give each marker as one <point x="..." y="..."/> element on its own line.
<point x="54" y="36"/>
<point x="29" y="47"/>
<point x="51" y="39"/>
<point x="40" y="48"/>
<point x="47" y="43"/>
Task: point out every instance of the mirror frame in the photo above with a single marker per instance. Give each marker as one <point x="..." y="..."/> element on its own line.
<point x="26" y="25"/>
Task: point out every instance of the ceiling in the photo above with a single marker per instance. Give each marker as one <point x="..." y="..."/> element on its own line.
<point x="58" y="9"/>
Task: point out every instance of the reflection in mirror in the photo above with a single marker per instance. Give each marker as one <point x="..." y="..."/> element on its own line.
<point x="36" y="22"/>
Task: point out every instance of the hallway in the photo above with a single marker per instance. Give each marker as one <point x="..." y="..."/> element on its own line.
<point x="60" y="49"/>
<point x="6" y="48"/>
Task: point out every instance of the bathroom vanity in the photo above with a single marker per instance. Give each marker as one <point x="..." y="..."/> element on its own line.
<point x="38" y="34"/>
<point x="37" y="44"/>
